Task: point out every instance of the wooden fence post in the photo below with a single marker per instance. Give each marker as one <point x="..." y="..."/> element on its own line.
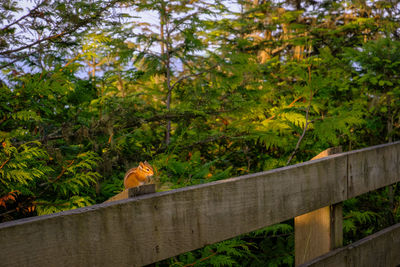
<point x="319" y="231"/>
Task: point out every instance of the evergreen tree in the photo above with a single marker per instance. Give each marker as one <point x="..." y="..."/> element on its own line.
<point x="203" y="90"/>
<point x="37" y="33"/>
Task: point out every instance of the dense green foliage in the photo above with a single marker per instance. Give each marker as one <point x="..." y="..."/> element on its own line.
<point x="202" y="92"/>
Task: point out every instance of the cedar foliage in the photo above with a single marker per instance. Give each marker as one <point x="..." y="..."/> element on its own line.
<point x="203" y="90"/>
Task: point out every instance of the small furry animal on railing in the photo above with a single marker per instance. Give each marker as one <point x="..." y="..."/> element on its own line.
<point x="138" y="175"/>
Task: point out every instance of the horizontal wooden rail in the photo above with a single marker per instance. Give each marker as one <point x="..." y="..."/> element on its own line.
<point x="379" y="249"/>
<point x="157" y="226"/>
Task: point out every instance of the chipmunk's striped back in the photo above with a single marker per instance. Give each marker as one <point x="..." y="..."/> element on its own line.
<point x="138" y="176"/>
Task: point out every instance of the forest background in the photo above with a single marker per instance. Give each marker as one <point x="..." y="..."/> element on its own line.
<point x="203" y="90"/>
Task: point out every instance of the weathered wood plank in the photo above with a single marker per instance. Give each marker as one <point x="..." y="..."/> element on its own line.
<point x="151" y="228"/>
<point x="336" y="225"/>
<point x="379" y="249"/>
<point x="373" y="168"/>
<point x="318" y="231"/>
<point x="312" y="234"/>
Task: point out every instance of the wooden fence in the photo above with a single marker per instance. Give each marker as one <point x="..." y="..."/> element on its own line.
<point x="379" y="249"/>
<point x="153" y="227"/>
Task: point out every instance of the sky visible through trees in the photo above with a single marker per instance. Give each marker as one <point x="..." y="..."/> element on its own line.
<point x="90" y="88"/>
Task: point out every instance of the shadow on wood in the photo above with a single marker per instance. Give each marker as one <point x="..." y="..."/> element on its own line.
<point x="379" y="249"/>
<point x="319" y="231"/>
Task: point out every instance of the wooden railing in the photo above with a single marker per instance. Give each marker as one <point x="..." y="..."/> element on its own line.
<point x="379" y="249"/>
<point x="153" y="227"/>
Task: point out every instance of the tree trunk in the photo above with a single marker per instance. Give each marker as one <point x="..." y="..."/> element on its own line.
<point x="165" y="55"/>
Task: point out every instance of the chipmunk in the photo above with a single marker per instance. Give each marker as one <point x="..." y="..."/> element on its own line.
<point x="138" y="175"/>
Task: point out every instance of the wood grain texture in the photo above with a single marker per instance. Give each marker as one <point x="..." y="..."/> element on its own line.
<point x="151" y="228"/>
<point x="336" y="225"/>
<point x="312" y="234"/>
<point x="379" y="249"/>
<point x="373" y="168"/>
<point x="318" y="231"/>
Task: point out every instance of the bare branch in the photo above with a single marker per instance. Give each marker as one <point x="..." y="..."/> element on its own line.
<point x="307" y="121"/>
<point x="10" y="63"/>
<point x="32" y="11"/>
<point x="34" y="43"/>
<point x="66" y="31"/>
